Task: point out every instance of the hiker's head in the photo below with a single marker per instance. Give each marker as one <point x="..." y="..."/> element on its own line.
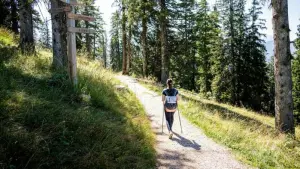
<point x="170" y="83"/>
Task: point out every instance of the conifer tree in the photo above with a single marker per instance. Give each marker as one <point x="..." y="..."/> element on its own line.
<point x="26" y="27"/>
<point x="115" y="42"/>
<point x="254" y="79"/>
<point x="296" y="79"/>
<point x="206" y="26"/>
<point x="164" y="41"/>
<point x="45" y="39"/>
<point x="284" y="118"/>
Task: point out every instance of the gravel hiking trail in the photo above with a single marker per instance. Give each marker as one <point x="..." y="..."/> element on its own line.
<point x="190" y="149"/>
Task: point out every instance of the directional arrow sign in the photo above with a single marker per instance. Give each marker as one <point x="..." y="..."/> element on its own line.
<point x="72" y="2"/>
<point x="81" y="30"/>
<point x="57" y="10"/>
<point x="80" y="17"/>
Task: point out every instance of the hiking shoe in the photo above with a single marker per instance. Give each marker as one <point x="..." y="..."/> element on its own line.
<point x="171" y="135"/>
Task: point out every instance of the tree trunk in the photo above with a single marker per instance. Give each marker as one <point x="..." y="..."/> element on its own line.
<point x="144" y="42"/>
<point x="47" y="35"/>
<point x="129" y="49"/>
<point x="87" y="36"/>
<point x="124" y="71"/>
<point x="282" y="65"/>
<point x="232" y="54"/>
<point x="118" y="50"/>
<point x="59" y="36"/>
<point x="26" y="25"/>
<point x="14" y="17"/>
<point x="104" y="50"/>
<point x="158" y="54"/>
<point x="164" y="42"/>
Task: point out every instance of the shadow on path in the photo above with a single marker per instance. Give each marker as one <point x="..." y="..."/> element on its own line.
<point x="186" y="142"/>
<point x="173" y="160"/>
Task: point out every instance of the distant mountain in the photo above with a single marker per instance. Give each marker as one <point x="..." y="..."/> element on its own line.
<point x="270" y="49"/>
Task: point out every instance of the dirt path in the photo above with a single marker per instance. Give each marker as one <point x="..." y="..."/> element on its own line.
<point x="192" y="149"/>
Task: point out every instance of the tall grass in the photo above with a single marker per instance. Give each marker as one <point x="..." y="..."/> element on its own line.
<point x="7" y="38"/>
<point x="45" y="123"/>
<point x="250" y="135"/>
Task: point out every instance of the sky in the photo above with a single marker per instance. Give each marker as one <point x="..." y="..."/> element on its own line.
<point x="294" y="15"/>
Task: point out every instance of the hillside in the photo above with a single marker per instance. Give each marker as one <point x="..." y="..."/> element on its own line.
<point x="251" y="136"/>
<point x="45" y="123"/>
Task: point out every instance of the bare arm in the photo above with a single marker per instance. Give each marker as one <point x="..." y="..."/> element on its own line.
<point x="163" y="98"/>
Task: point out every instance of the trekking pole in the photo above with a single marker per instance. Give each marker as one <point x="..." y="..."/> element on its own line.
<point x="180" y="120"/>
<point x="162" y="122"/>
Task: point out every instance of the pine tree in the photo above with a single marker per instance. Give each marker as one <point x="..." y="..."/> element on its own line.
<point x="59" y="36"/>
<point x="164" y="41"/>
<point x="104" y="47"/>
<point x="181" y="37"/>
<point x="115" y="44"/>
<point x="154" y="45"/>
<point x="9" y="17"/>
<point x="5" y="12"/>
<point x="296" y="79"/>
<point x="217" y="56"/>
<point x="228" y="80"/>
<point x="14" y="16"/>
<point x="26" y="27"/>
<point x="45" y="39"/>
<point x="206" y="26"/>
<point x="271" y="88"/>
<point x="254" y="79"/>
<point x="124" y="38"/>
<point x="144" y="7"/>
<point x="283" y="78"/>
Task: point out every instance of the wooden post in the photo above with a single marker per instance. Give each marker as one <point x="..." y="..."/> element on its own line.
<point x="72" y="63"/>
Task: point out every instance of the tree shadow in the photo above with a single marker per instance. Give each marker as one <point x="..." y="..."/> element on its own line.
<point x="45" y="124"/>
<point x="186" y="142"/>
<point x="173" y="160"/>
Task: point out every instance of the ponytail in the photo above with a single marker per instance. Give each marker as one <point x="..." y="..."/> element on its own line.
<point x="170" y="83"/>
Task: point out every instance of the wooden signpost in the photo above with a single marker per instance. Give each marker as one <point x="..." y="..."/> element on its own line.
<point x="58" y="10"/>
<point x="80" y="17"/>
<point x="72" y="2"/>
<point x="72" y="62"/>
<point x="71" y="40"/>
<point x="80" y="30"/>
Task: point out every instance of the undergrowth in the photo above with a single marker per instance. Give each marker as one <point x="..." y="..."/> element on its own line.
<point x="46" y="123"/>
<point x="7" y="38"/>
<point x="251" y="136"/>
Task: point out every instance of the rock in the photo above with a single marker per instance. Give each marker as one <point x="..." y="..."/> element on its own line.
<point x="120" y="87"/>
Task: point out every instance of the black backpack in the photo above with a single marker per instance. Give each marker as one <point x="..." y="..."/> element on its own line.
<point x="171" y="99"/>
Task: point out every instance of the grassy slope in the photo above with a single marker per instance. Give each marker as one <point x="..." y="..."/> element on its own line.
<point x="7" y="38"/>
<point x="44" y="123"/>
<point x="251" y="136"/>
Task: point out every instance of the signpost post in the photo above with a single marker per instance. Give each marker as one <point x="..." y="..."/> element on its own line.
<point x="72" y="63"/>
<point x="71" y="39"/>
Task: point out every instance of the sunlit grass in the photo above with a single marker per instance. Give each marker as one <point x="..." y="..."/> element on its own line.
<point x="251" y="136"/>
<point x="7" y="38"/>
<point x="46" y="123"/>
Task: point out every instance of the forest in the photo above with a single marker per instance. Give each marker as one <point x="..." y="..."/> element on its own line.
<point x="215" y="54"/>
<point x="218" y="52"/>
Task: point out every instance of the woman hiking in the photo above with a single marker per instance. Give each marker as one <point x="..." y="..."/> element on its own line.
<point x="170" y="101"/>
